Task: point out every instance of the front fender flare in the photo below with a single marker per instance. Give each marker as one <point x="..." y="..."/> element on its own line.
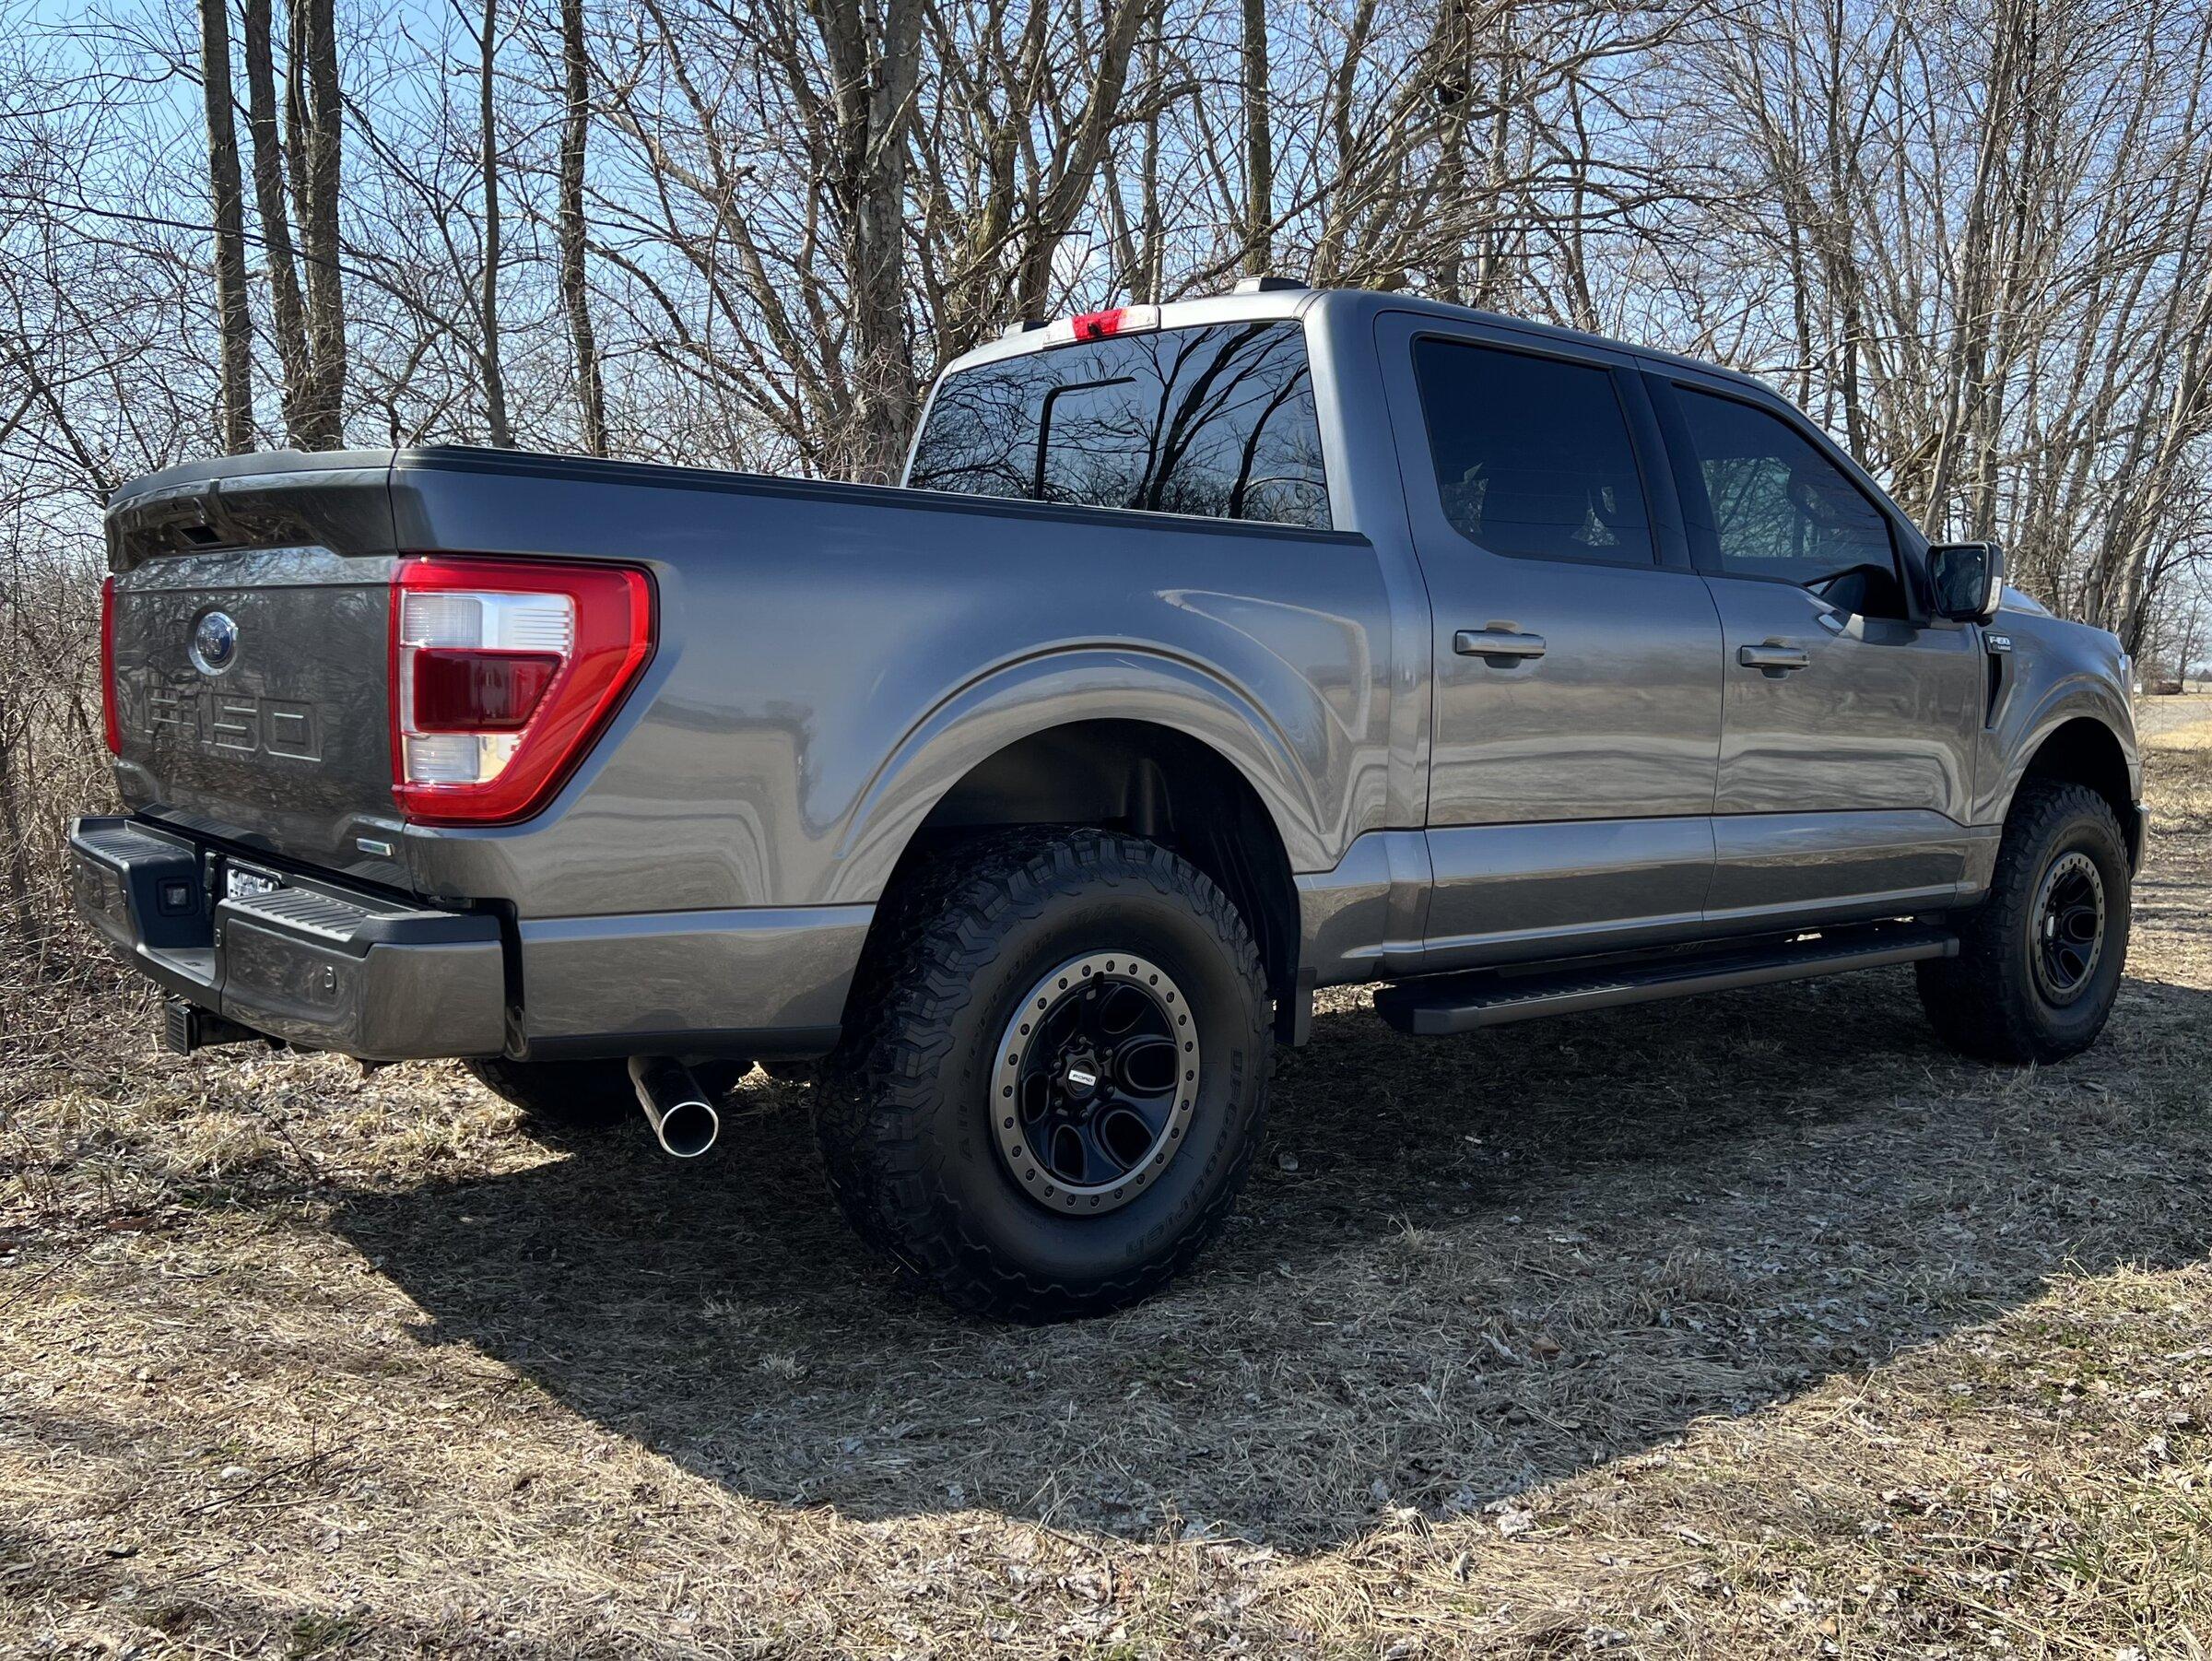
<point x="2083" y="695"/>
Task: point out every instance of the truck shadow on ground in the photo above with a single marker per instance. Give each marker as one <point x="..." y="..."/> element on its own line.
<point x="1462" y="1267"/>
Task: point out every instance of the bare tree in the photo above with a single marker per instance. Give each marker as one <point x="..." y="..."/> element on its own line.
<point x="1972" y="236"/>
<point x="576" y="293"/>
<point x="287" y="312"/>
<point x="314" y="121"/>
<point x="872" y="60"/>
<point x="234" y="326"/>
<point x="1011" y="143"/>
<point x="488" y="287"/>
<point x="1259" y="140"/>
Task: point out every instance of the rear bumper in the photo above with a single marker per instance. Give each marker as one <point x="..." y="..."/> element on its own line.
<point x="314" y="964"/>
<point x="325" y="965"/>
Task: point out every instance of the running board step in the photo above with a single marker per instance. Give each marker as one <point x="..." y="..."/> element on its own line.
<point x="1490" y="997"/>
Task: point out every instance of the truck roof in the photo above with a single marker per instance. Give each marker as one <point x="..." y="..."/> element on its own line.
<point x="1342" y="306"/>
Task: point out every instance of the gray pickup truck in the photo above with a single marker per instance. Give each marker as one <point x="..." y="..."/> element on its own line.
<point x="1211" y="652"/>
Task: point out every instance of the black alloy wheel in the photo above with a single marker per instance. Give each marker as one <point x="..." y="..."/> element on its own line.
<point x="1097" y="1074"/>
<point x="2069" y="927"/>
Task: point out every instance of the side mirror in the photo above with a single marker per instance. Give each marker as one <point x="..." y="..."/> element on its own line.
<point x="1969" y="579"/>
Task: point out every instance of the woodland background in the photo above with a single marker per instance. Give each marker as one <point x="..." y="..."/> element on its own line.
<point x="1776" y="1331"/>
<point x="1973" y="237"/>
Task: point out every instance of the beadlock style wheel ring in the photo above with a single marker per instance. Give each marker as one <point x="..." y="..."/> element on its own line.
<point x="1096" y="1079"/>
<point x="2069" y="927"/>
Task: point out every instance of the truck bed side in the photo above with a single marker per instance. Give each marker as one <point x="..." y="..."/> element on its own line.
<point x="833" y="658"/>
<point x="829" y="662"/>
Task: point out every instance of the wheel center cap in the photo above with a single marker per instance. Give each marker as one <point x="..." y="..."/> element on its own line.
<point x="1079" y="1076"/>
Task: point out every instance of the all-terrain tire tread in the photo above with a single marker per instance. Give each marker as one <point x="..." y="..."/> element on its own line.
<point x="937" y="934"/>
<point x="1967" y="998"/>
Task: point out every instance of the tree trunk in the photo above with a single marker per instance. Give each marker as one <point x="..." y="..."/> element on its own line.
<point x="316" y="116"/>
<point x="873" y="66"/>
<point x="234" y="323"/>
<point x="1077" y="166"/>
<point x="575" y="297"/>
<point x="495" y="379"/>
<point x="1151" y="260"/>
<point x="1841" y="255"/>
<point x="285" y="310"/>
<point x="1259" y="144"/>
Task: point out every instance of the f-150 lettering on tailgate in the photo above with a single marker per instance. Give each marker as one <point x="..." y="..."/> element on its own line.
<point x="242" y="725"/>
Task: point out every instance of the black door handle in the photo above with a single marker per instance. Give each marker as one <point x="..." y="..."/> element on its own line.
<point x="1774" y="657"/>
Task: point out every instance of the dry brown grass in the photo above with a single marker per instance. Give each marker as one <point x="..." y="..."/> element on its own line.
<point x="1754" y="1325"/>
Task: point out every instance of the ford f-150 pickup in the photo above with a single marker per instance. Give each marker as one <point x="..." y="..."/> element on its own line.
<point x="1211" y="652"/>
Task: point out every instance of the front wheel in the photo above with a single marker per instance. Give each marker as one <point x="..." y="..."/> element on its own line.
<point x="1055" y="1076"/>
<point x="2040" y="959"/>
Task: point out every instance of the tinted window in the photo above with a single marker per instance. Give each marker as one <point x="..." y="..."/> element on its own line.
<point x="1217" y="421"/>
<point x="1778" y="507"/>
<point x="1531" y="454"/>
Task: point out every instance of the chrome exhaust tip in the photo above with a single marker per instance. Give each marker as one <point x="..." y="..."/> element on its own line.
<point x="684" y="1121"/>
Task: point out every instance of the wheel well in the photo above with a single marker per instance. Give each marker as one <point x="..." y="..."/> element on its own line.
<point x="1154" y="782"/>
<point x="2085" y="751"/>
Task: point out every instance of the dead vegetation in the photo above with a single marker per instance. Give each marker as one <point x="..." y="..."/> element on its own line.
<point x="1757" y="1324"/>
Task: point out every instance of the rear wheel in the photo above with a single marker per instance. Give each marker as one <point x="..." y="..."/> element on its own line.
<point x="1056" y="1074"/>
<point x="2040" y="959"/>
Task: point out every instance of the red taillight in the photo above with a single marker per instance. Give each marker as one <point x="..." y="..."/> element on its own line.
<point x="110" y="716"/>
<point x="480" y="691"/>
<point x="504" y="671"/>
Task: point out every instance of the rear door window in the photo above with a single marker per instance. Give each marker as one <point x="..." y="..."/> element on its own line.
<point x="1533" y="456"/>
<point x="1217" y="421"/>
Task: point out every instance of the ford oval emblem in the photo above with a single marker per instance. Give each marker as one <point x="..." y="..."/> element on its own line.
<point x="214" y="643"/>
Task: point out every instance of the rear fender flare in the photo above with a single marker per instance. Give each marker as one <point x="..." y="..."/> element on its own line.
<point x="1021" y="700"/>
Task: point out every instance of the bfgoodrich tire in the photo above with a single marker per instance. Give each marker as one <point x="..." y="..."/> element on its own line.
<point x="2040" y="959"/>
<point x="1055" y="1073"/>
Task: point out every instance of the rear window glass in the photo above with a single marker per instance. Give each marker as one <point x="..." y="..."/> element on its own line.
<point x="1217" y="421"/>
<point x="1531" y="454"/>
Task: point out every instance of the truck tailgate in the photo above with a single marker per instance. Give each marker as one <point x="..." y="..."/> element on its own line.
<point x="251" y="679"/>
